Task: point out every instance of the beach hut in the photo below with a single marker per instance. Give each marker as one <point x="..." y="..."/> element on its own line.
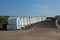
<point x="43" y="18"/>
<point x="28" y="20"/>
<point x="25" y="21"/>
<point x="35" y="19"/>
<point x="14" y="23"/>
<point x="31" y="20"/>
<point x="39" y="19"/>
<point x="22" y="22"/>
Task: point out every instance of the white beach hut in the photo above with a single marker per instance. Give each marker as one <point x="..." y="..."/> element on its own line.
<point x="43" y="18"/>
<point x="14" y="23"/>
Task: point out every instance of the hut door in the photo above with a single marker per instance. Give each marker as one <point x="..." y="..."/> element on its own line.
<point x="19" y="24"/>
<point x="31" y="20"/>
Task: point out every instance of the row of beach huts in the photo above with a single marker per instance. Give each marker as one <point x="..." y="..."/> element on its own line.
<point x="19" y="22"/>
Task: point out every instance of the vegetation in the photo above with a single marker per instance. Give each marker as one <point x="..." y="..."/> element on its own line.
<point x="3" y="20"/>
<point x="54" y="18"/>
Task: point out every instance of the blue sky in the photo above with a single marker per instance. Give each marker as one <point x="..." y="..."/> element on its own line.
<point x="30" y="7"/>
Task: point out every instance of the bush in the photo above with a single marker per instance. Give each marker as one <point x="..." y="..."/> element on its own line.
<point x="3" y="20"/>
